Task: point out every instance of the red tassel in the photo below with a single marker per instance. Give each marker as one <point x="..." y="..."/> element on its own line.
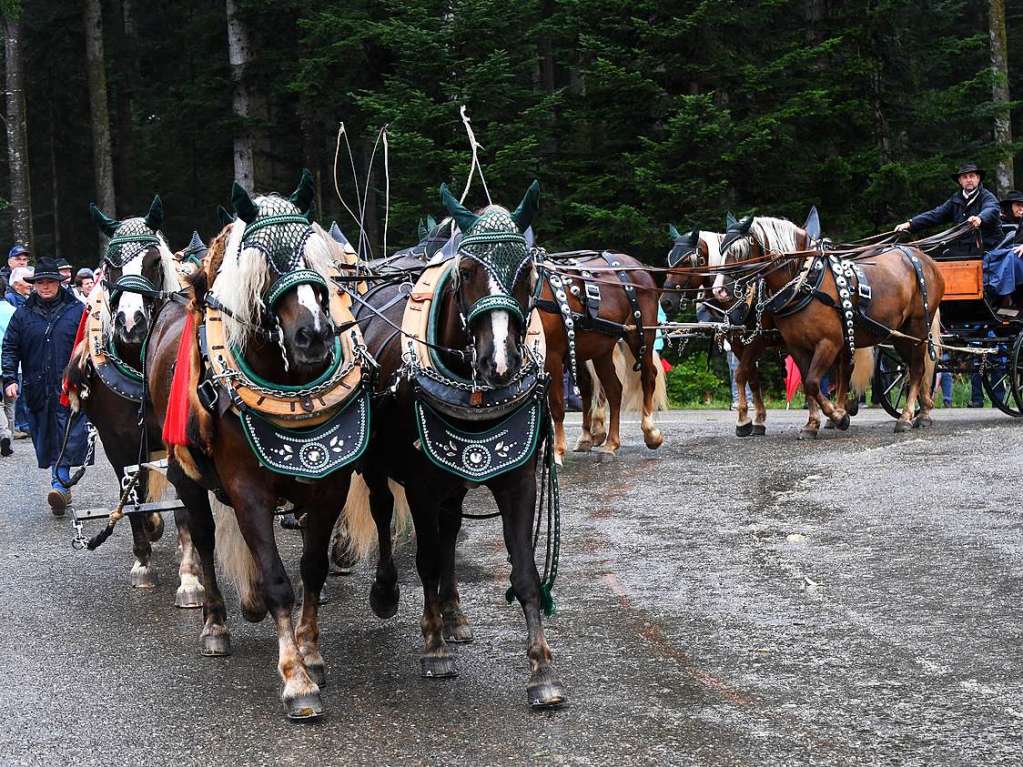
<point x="175" y="426"/>
<point x="65" y="385"/>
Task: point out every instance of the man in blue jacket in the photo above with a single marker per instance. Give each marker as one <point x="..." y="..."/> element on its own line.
<point x="971" y="203"/>
<point x="40" y="338"/>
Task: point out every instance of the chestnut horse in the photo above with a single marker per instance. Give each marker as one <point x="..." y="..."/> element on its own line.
<point x="269" y="276"/>
<point x="139" y="272"/>
<point x="597" y="346"/>
<point x="481" y="310"/>
<point x="817" y="324"/>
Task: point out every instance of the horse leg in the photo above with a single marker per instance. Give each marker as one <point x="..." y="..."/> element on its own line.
<point x="384" y="593"/>
<point x="743" y="425"/>
<point x="652" y="436"/>
<point x="215" y="639"/>
<point x="605" y="368"/>
<point x="556" y="403"/>
<point x="254" y="507"/>
<point x="923" y="417"/>
<point x="598" y="425"/>
<point x="143" y="575"/>
<point x="750" y="358"/>
<point x="582" y="377"/>
<point x="436" y="660"/>
<point x="190" y="590"/>
<point x="822" y="361"/>
<point x="914" y="358"/>
<point x="516" y="498"/>
<point x="456" y="624"/>
<point x="843" y="368"/>
<point x="319" y="525"/>
<point x="813" y="420"/>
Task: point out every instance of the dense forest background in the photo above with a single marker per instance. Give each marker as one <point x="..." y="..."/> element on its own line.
<point x="632" y="113"/>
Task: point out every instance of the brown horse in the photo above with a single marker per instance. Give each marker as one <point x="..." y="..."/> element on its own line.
<point x="595" y="341"/>
<point x="267" y="281"/>
<point x="891" y="294"/>
<point x="104" y="377"/>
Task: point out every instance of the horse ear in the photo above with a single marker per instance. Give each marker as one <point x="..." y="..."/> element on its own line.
<point x="528" y="208"/>
<point x="154" y="218"/>
<point x="431" y="223"/>
<point x="694" y="238"/>
<point x="813" y="224"/>
<point x="673" y="233"/>
<point x="745" y="224"/>
<point x="730" y="220"/>
<point x="464" y="217"/>
<point x="338" y="235"/>
<point x="303" y="195"/>
<point x="423" y="231"/>
<point x="243" y="204"/>
<point x="225" y="218"/>
<point x="106" y="224"/>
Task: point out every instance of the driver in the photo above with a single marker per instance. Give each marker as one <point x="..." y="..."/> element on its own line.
<point x="971" y="203"/>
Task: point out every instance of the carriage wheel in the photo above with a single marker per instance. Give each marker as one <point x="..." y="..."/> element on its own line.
<point x="1016" y="366"/>
<point x="891" y="381"/>
<point x="1001" y="382"/>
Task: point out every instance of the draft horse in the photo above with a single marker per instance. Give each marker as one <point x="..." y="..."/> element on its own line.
<point x="588" y="302"/>
<point x="267" y="282"/>
<point x="826" y="307"/>
<point x="104" y="377"/>
<point x="471" y="376"/>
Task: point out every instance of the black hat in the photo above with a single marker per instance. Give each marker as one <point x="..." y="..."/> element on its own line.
<point x="62" y="263"/>
<point x="1011" y="197"/>
<point x="970" y="167"/>
<point x="46" y="269"/>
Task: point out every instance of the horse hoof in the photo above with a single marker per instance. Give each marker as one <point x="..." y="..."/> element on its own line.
<point x="901" y="426"/>
<point x="583" y="445"/>
<point x="457" y="629"/>
<point x="546" y="693"/>
<point x="922" y="422"/>
<point x="383" y="600"/>
<point x="143" y="577"/>
<point x="807" y="434"/>
<point x="189" y="595"/>
<point x="606" y="452"/>
<point x="843" y="422"/>
<point x="154" y="528"/>
<point x="744" y="429"/>
<point x="215" y="645"/>
<point x="759" y="430"/>
<point x="306" y="705"/>
<point x="559" y="459"/>
<point x="654" y="439"/>
<point x="852" y="406"/>
<point x="438" y="666"/>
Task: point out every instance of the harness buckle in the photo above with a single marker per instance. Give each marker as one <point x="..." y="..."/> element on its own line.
<point x="864" y="291"/>
<point x="208" y="394"/>
<point x="592" y="291"/>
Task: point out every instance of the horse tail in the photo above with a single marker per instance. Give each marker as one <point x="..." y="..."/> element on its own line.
<point x="236" y="560"/>
<point x="632" y="380"/>
<point x="363" y="535"/>
<point x="862" y="371"/>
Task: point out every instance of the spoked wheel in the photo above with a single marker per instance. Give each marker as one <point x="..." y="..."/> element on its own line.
<point x="1015" y="365"/>
<point x="891" y="381"/>
<point x="1000" y="376"/>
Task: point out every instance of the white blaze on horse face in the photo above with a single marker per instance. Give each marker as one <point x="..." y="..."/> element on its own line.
<point x="130" y="305"/>
<point x="499" y="321"/>
<point x="307" y="298"/>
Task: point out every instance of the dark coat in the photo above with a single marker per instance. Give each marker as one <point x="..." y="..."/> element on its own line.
<point x="40" y="337"/>
<point x="14" y="298"/>
<point x="954" y="211"/>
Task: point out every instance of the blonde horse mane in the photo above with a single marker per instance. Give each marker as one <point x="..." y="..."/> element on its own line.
<point x="772" y="234"/>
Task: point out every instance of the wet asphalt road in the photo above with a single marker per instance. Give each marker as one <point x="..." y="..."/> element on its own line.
<point x="850" y="601"/>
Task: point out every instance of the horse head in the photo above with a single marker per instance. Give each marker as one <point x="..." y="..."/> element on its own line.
<point x="493" y="282"/>
<point x="138" y="267"/>
<point x="756" y="237"/>
<point x="688" y="251"/>
<point x="273" y="280"/>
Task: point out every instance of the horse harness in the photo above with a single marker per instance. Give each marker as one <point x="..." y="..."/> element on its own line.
<point x="590" y="297"/>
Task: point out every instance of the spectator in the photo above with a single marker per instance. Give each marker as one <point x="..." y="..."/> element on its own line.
<point x="40" y="338"/>
<point x="18" y="256"/>
<point x="19" y="288"/>
<point x="84" y="280"/>
<point x="17" y="293"/>
<point x="7" y="411"/>
<point x="65" y="272"/>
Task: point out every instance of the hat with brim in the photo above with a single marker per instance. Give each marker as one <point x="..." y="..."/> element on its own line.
<point x="46" y="269"/>
<point x="970" y="167"/>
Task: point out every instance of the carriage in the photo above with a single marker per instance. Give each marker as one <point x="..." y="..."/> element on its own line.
<point x="975" y="339"/>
